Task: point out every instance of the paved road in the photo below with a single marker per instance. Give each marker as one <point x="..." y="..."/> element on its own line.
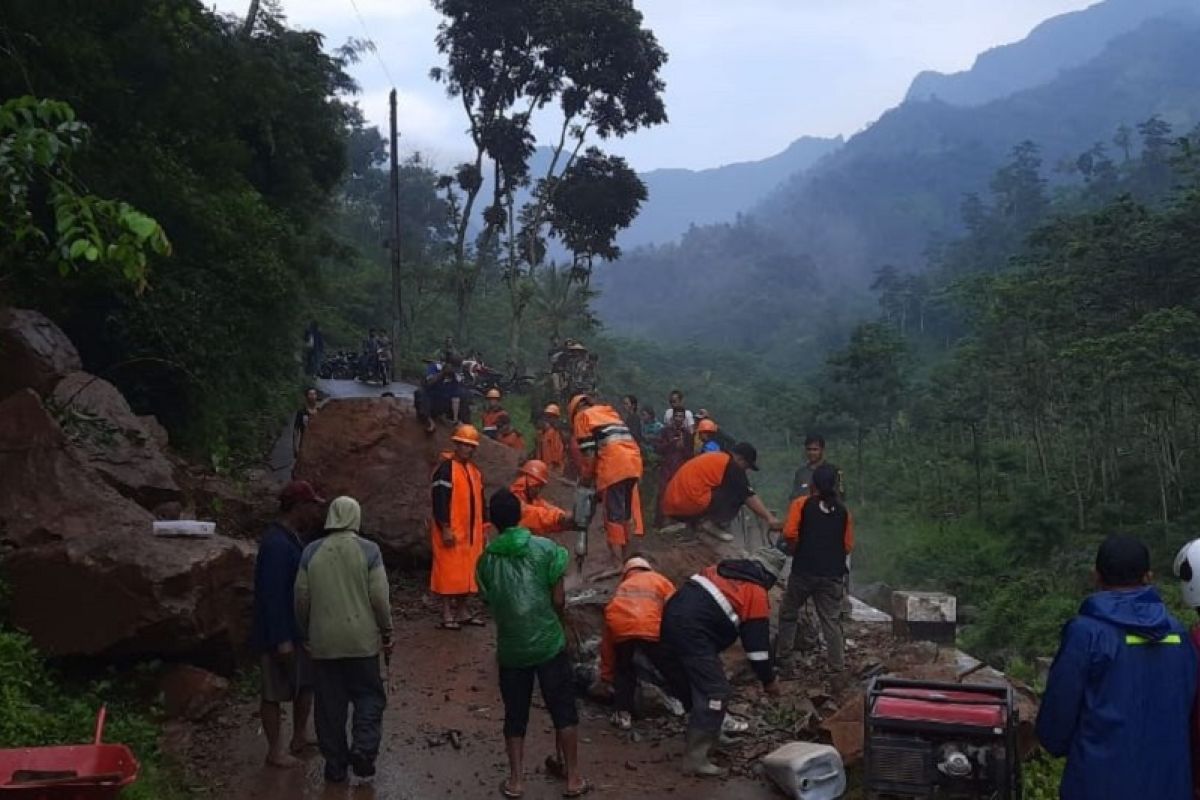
<point x="281" y="459"/>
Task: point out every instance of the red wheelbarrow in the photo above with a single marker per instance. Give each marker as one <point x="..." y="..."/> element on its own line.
<point x="72" y="772"/>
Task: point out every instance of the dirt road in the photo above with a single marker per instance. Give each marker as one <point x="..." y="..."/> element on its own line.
<point x="446" y="681"/>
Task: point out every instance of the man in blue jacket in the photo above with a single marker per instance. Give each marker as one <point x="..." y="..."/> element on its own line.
<point x="286" y="668"/>
<point x="1119" y="696"/>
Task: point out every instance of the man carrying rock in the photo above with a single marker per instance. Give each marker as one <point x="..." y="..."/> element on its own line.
<point x="286" y="668"/>
<point x="344" y="610"/>
<point x="711" y="610"/>
<point x="521" y="579"/>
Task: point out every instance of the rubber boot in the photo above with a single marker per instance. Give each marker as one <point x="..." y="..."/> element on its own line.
<point x="695" y="758"/>
<point x="715" y="531"/>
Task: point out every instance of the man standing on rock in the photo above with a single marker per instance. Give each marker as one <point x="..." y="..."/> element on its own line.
<point x="521" y="577"/>
<point x="286" y="668"/>
<point x="456" y="528"/>
<point x="343" y="608"/>
<point x="611" y="461"/>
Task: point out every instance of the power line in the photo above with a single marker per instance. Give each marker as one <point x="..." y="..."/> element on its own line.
<point x="374" y="48"/>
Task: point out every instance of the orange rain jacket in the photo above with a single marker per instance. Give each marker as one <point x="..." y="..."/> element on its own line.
<point x="539" y="515"/>
<point x="549" y="448"/>
<point x="456" y="494"/>
<point x="635" y="612"/>
<point x="512" y="439"/>
<point x="609" y="451"/>
<point x="689" y="492"/>
<point x="491" y="420"/>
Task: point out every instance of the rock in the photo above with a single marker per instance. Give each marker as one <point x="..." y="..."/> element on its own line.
<point x="877" y="595"/>
<point x="85" y="574"/>
<point x="157" y="432"/>
<point x="376" y="451"/>
<point x="807" y="771"/>
<point x="113" y="439"/>
<point x="846" y="729"/>
<point x="191" y="693"/>
<point x="34" y="352"/>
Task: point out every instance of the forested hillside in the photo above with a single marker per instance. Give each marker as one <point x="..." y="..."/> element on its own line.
<point x="893" y="190"/>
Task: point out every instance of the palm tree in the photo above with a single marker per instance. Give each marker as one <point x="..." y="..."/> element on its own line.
<point x="558" y="299"/>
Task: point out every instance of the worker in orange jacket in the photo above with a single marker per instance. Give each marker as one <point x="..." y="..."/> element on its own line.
<point x="456" y="527"/>
<point x="711" y="488"/>
<point x="631" y="625"/>
<point x="549" y="445"/>
<point x="508" y="436"/>
<point x="610" y="459"/>
<point x="492" y="413"/>
<point x="538" y="514"/>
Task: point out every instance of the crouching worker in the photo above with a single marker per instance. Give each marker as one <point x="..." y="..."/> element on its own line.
<point x="520" y="577"/>
<point x="538" y="514"/>
<point x="632" y="620"/>
<point x="1121" y="688"/>
<point x="711" y="489"/>
<point x="711" y="610"/>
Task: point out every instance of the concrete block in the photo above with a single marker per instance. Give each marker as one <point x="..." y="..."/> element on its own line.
<point x="924" y="616"/>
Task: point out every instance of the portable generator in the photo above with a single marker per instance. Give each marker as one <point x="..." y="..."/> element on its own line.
<point x="940" y="740"/>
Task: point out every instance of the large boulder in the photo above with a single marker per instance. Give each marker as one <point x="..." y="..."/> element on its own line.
<point x="113" y="440"/>
<point x="34" y="353"/>
<point x="86" y="575"/>
<point x="374" y="450"/>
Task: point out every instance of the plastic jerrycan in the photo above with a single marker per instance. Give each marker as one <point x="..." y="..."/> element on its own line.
<point x="807" y="771"/>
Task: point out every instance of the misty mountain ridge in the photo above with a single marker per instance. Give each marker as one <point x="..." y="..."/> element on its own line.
<point x="1058" y="44"/>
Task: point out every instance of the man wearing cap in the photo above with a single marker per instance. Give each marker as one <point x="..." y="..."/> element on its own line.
<point x="538" y="514"/>
<point x="632" y="620"/>
<point x="493" y="414"/>
<point x="612" y="461"/>
<point x="343" y="610"/>
<point x="711" y="610"/>
<point x="456" y="527"/>
<point x="286" y="668"/>
<point x="711" y="488"/>
<point x="549" y="445"/>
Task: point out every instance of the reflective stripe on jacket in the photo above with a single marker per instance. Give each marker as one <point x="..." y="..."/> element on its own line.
<point x="635" y="612"/>
<point x="609" y="451"/>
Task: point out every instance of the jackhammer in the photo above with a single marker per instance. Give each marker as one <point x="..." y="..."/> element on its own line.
<point x="585" y="509"/>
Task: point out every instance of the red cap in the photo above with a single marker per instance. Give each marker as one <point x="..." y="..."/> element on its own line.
<point x="299" y="492"/>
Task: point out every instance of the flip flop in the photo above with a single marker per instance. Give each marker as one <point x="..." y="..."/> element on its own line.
<point x="583" y="789"/>
<point x="449" y="626"/>
<point x="507" y="792"/>
<point x="475" y="621"/>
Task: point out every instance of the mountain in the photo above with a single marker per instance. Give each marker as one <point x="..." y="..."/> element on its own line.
<point x="680" y="198"/>
<point x="886" y="194"/>
<point x="1056" y="45"/>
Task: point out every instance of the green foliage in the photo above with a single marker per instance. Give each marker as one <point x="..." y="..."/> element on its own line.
<point x="37" y="139"/>
<point x="39" y="707"/>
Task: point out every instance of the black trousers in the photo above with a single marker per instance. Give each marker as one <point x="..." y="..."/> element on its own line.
<point x="430" y="406"/>
<point x="695" y="633"/>
<point x="558" y="691"/>
<point x="674" y="679"/>
<point x="340" y="683"/>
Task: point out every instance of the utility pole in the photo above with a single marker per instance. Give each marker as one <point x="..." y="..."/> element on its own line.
<point x="397" y="319"/>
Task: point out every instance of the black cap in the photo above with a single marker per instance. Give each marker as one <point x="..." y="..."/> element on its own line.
<point x="747" y="451"/>
<point x="1122" y="561"/>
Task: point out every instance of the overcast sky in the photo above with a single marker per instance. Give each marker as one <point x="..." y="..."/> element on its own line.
<point x="745" y="77"/>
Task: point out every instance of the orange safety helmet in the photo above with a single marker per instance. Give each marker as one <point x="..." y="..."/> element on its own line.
<point x="493" y="394"/>
<point x="536" y="471"/>
<point x="552" y="410"/>
<point x="466" y="434"/>
<point x="573" y="406"/>
<point x="706" y="426"/>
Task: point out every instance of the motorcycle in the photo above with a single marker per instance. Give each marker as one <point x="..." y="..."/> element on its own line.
<point x="378" y="368"/>
<point x="341" y="365"/>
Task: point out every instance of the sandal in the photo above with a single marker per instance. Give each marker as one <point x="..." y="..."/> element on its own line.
<point x="507" y="792"/>
<point x="475" y="621"/>
<point x="449" y="625"/>
<point x="583" y="789"/>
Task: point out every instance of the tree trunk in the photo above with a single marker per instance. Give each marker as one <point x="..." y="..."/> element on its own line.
<point x="251" y="17"/>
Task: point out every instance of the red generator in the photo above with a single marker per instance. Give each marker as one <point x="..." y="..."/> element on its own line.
<point x="940" y="740"/>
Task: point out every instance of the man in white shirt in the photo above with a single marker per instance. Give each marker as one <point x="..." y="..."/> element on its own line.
<point x="674" y="403"/>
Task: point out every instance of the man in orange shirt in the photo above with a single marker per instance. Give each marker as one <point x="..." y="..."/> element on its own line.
<point x="549" y="446"/>
<point x="539" y="515"/>
<point x="631" y="625"/>
<point x="456" y="528"/>
<point x="508" y="436"/>
<point x="492" y="413"/>
<point x="711" y="488"/>
<point x="611" y="460"/>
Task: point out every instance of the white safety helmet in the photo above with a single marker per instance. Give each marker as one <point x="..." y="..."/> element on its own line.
<point x="1187" y="569"/>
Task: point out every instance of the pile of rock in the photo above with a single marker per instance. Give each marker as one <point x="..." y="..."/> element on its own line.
<point x="82" y="474"/>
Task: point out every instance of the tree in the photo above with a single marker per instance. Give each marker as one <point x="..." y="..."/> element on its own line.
<point x="507" y="61"/>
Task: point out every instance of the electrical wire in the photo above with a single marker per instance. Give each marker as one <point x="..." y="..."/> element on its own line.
<point x="372" y="46"/>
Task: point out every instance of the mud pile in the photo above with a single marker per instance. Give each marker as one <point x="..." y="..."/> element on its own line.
<point x="374" y="450"/>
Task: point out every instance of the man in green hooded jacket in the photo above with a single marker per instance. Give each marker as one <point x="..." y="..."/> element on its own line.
<point x="520" y="577"/>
